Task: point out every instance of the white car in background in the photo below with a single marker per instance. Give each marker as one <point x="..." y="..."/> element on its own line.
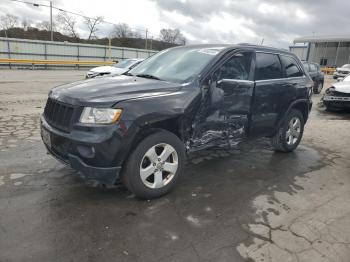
<point x="117" y="69"/>
<point x="338" y="95"/>
<point x="342" y="71"/>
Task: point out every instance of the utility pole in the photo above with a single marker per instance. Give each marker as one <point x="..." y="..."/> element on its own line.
<point x="51" y="27"/>
<point x="151" y="43"/>
<point x="146" y="38"/>
<point x="109" y="48"/>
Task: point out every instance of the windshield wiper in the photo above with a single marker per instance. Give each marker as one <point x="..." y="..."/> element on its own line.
<point x="148" y="76"/>
<point x="127" y="74"/>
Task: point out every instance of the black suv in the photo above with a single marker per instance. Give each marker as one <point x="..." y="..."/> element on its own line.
<point x="139" y="127"/>
<point x="316" y="75"/>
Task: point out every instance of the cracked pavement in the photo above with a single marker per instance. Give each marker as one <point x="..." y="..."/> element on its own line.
<point x="232" y="205"/>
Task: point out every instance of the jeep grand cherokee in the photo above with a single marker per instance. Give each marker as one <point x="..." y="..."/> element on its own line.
<point x="138" y="128"/>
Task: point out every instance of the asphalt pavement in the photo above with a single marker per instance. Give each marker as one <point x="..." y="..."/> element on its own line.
<point x="246" y="204"/>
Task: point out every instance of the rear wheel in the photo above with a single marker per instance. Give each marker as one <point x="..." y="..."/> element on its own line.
<point x="318" y="88"/>
<point x="154" y="167"/>
<point x="290" y="133"/>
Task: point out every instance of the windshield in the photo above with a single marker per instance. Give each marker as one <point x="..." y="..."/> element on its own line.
<point x="125" y="63"/>
<point x="177" y="64"/>
<point x="346" y="66"/>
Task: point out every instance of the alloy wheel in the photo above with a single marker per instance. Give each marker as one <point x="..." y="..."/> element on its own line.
<point x="293" y="132"/>
<point x="158" y="166"/>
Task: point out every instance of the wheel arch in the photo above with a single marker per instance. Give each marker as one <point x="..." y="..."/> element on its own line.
<point x="302" y="105"/>
<point x="172" y="124"/>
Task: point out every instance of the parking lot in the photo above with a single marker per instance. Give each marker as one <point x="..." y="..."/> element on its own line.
<point x="238" y="205"/>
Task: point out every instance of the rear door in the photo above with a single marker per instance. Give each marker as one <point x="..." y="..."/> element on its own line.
<point x="298" y="86"/>
<point x="271" y="93"/>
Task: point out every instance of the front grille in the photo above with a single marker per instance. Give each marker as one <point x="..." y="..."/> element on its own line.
<point x="58" y="114"/>
<point x="335" y="93"/>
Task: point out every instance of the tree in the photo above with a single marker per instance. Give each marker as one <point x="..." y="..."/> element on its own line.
<point x="92" y="24"/>
<point x="68" y="23"/>
<point x="45" y="25"/>
<point x="26" y="23"/>
<point x="172" y="36"/>
<point x="122" y="30"/>
<point x="8" y="21"/>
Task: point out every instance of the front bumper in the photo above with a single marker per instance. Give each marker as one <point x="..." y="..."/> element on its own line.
<point x="336" y="101"/>
<point x="93" y="154"/>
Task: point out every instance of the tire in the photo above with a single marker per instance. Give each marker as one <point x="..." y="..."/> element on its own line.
<point x="318" y="88"/>
<point x="148" y="172"/>
<point x="282" y="142"/>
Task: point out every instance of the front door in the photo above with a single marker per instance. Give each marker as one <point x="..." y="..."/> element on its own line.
<point x="222" y="119"/>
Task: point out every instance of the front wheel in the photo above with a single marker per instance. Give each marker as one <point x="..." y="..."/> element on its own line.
<point x="154" y="167"/>
<point x="290" y="133"/>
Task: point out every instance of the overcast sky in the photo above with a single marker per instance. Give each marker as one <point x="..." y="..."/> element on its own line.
<point x="278" y="22"/>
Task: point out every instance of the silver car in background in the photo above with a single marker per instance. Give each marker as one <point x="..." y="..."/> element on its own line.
<point x="116" y="69"/>
<point x="342" y="71"/>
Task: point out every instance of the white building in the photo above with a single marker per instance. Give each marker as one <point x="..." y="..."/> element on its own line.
<point x="331" y="50"/>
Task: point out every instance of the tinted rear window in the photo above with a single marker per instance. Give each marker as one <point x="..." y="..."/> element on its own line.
<point x="291" y="66"/>
<point x="268" y="66"/>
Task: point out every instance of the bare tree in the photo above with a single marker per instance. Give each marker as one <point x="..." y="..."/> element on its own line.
<point x="172" y="36"/>
<point x="8" y="21"/>
<point x="45" y="25"/>
<point x="92" y="24"/>
<point x="122" y="30"/>
<point x="68" y="23"/>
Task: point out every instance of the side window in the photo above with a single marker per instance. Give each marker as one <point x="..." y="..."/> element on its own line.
<point x="307" y="67"/>
<point x="237" y="67"/>
<point x="313" y="68"/>
<point x="268" y="66"/>
<point x="291" y="66"/>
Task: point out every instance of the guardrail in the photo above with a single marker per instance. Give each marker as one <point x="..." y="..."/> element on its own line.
<point x="53" y="62"/>
<point x="328" y="70"/>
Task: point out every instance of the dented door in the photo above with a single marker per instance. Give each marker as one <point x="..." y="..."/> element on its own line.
<point x="222" y="119"/>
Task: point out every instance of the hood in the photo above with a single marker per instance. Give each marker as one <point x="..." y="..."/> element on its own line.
<point x="108" y="69"/>
<point x="343" y="87"/>
<point x="343" y="69"/>
<point x="110" y="90"/>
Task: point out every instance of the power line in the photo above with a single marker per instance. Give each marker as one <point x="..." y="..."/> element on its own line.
<point x="83" y="16"/>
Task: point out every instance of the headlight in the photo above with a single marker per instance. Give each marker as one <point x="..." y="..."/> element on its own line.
<point x="92" y="115"/>
<point x="330" y="90"/>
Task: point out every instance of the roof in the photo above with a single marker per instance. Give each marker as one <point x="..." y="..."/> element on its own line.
<point x="323" y="38"/>
<point x="234" y="46"/>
